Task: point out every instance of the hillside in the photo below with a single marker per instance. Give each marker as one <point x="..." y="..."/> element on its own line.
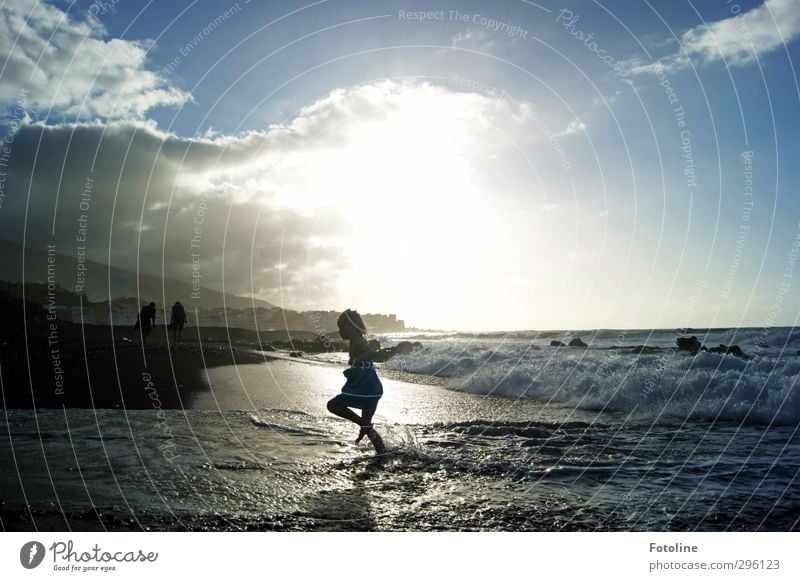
<point x="103" y="282"/>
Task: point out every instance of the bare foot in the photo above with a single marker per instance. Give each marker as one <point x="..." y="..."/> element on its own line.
<point x="364" y="431"/>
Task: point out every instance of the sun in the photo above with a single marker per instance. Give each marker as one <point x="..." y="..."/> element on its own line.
<point x="404" y="187"/>
<point x="402" y="175"/>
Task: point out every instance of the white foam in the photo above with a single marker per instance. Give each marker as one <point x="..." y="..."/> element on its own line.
<point x="759" y="390"/>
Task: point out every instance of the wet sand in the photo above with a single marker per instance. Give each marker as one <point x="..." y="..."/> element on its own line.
<point x="102" y="367"/>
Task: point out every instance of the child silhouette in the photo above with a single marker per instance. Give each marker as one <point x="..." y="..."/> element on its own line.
<point x="363" y="389"/>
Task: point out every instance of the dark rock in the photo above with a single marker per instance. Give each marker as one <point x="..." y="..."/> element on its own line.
<point x="694" y="347"/>
<point x="404" y="348"/>
<point x="576" y="342"/>
<point x="374" y="344"/>
<point x="690" y="344"/>
<point x="736" y="351"/>
<point x="295" y="354"/>
<point x="557" y="344"/>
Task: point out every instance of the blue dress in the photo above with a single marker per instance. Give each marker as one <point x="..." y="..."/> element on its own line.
<point x="362" y="389"/>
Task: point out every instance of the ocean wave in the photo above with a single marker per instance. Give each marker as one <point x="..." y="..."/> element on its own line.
<point x="709" y="386"/>
<point x="772" y="340"/>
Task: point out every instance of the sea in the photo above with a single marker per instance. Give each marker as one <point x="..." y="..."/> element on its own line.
<point x="485" y="432"/>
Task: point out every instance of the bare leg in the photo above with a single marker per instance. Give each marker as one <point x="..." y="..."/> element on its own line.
<point x="344" y="412"/>
<point x="377" y="441"/>
<point x="368" y="431"/>
<point x="364" y="420"/>
<point x="366" y="424"/>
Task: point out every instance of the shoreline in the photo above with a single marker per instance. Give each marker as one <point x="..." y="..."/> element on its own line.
<point x="104" y="367"/>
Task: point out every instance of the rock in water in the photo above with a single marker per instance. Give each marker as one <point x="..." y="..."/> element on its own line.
<point x="690" y="344"/>
<point x="734" y="350"/>
<point x="404" y="347"/>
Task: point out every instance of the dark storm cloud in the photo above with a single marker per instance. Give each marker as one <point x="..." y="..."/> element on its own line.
<point x="270" y="212"/>
<point x="118" y="184"/>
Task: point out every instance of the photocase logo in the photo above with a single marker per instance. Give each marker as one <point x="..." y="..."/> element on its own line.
<point x="31" y="555"/>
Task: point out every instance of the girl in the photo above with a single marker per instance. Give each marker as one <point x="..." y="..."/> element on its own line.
<point x="363" y="389"/>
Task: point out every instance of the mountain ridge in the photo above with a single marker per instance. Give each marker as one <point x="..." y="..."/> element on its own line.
<point x="103" y="282"/>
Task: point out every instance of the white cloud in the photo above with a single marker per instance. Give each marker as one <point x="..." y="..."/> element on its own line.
<point x="384" y="163"/>
<point x="478" y="40"/>
<point x="574" y="126"/>
<point x="606" y="100"/>
<point x="66" y="62"/>
<point x="738" y="39"/>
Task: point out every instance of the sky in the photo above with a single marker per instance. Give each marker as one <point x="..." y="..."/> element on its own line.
<point x="466" y="165"/>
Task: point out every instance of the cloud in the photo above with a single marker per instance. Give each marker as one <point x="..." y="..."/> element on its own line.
<point x="739" y="39"/>
<point x="141" y="213"/>
<point x="606" y="100"/>
<point x="278" y="208"/>
<point x="65" y="61"/>
<point x="478" y="40"/>
<point x="574" y="126"/>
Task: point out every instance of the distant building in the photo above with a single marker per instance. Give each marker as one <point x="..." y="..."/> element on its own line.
<point x="383" y="323"/>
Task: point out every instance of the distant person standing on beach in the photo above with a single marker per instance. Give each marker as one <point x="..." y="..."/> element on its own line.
<point x="363" y="388"/>
<point x="147" y="318"/>
<point x="177" y="321"/>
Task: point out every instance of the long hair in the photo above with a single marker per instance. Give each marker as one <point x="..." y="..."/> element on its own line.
<point x="350" y="318"/>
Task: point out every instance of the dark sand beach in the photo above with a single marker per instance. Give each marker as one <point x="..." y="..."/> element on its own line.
<point x="94" y="366"/>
